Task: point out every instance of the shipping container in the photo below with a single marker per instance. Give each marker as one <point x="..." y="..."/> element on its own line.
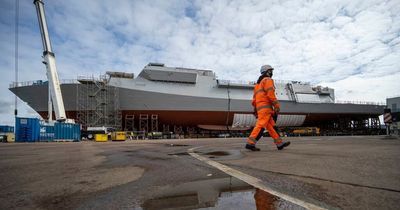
<point x="6" y="129"/>
<point x="27" y="129"/>
<point x="33" y="129"/>
<point x="100" y="137"/>
<point x="67" y="131"/>
<point x="46" y="132"/>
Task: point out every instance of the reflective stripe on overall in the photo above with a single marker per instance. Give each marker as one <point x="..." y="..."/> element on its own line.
<point x="264" y="121"/>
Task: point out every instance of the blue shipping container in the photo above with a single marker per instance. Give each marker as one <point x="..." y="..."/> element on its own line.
<point x="33" y="129"/>
<point x="46" y="133"/>
<point x="6" y="129"/>
<point x="67" y="131"/>
<point x="27" y="129"/>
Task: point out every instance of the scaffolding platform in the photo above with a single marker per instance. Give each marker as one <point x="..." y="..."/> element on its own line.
<point x="98" y="103"/>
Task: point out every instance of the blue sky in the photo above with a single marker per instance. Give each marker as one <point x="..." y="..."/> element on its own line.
<point x="352" y="46"/>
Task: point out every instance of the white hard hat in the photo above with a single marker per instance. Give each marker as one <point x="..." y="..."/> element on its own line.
<point x="265" y="68"/>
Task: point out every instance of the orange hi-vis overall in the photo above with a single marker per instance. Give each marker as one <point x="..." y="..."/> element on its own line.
<point x="264" y="103"/>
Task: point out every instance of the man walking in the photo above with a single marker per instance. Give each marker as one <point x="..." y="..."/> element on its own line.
<point x="265" y="105"/>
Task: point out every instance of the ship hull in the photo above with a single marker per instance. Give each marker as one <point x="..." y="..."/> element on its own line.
<point x="179" y="97"/>
<point x="186" y="111"/>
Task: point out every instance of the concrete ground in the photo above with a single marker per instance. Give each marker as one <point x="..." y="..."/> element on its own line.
<point x="355" y="172"/>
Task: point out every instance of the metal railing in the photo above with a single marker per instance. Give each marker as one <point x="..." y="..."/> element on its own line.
<point x="343" y="102"/>
<point x="40" y="82"/>
<point x="360" y="102"/>
<point x="242" y="82"/>
<point x="235" y="82"/>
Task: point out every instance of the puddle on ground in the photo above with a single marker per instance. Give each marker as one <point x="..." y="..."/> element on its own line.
<point x="221" y="193"/>
<point x="218" y="153"/>
<point x="224" y="155"/>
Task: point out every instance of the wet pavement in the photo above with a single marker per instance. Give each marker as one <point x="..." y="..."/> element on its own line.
<point x="331" y="172"/>
<point x="221" y="193"/>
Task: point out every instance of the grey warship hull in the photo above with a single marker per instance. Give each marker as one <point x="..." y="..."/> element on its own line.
<point x="195" y="98"/>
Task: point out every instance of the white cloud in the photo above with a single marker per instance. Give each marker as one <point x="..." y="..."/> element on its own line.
<point x="355" y="88"/>
<point x="345" y="44"/>
<point x="341" y="21"/>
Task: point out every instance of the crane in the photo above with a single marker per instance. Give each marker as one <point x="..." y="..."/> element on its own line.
<point x="55" y="95"/>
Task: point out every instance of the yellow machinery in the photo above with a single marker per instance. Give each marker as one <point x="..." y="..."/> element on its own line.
<point x="307" y="131"/>
<point x="10" y="137"/>
<point x="100" y="137"/>
<point x="118" y="136"/>
<point x="7" y="137"/>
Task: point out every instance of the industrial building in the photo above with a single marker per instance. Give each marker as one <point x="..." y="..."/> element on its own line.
<point x="394" y="105"/>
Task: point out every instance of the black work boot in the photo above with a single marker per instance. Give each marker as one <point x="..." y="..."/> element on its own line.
<point x="283" y="145"/>
<point x="252" y="147"/>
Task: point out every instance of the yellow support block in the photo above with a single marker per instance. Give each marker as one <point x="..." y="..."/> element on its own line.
<point x="10" y="137"/>
<point x="118" y="136"/>
<point x="101" y="137"/>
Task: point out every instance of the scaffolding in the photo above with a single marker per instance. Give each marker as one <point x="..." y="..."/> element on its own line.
<point x="165" y="128"/>
<point x="98" y="103"/>
<point x="178" y="130"/>
<point x="154" y="122"/>
<point x="144" y="123"/>
<point x="129" y="123"/>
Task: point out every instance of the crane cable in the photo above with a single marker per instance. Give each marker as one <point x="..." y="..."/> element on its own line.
<point x="16" y="56"/>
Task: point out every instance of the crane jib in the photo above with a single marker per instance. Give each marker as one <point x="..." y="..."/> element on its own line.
<point x="55" y="95"/>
